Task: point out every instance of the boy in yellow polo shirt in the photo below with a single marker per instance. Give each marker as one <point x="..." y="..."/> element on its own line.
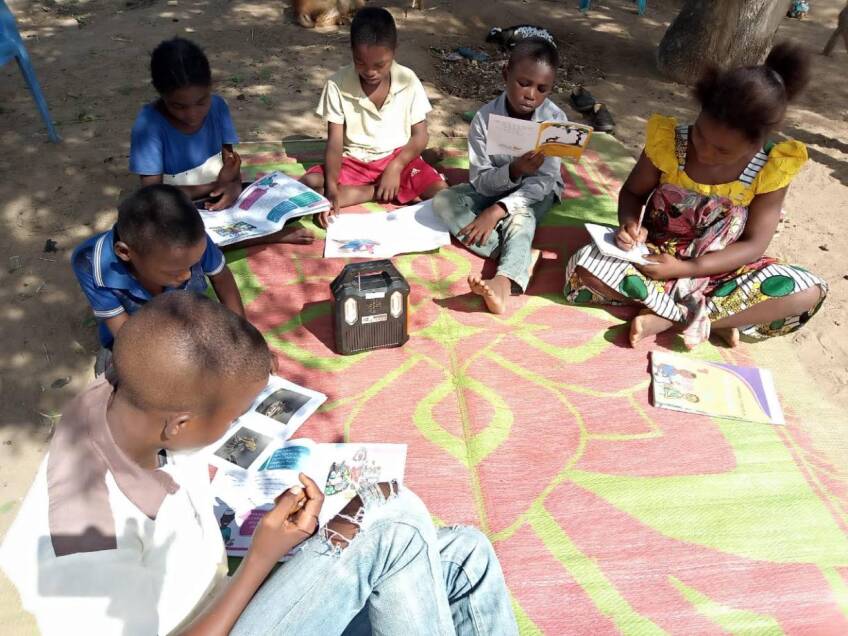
<point x="376" y="113"/>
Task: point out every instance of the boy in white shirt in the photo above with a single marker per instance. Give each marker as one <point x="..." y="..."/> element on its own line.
<point x="114" y="539"/>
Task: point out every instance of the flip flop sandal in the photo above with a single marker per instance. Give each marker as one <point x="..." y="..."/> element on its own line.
<point x="582" y="100"/>
<point x="602" y="120"/>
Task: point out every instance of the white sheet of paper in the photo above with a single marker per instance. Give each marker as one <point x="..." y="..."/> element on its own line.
<point x="510" y="136"/>
<point x="414" y="228"/>
<point x="604" y="238"/>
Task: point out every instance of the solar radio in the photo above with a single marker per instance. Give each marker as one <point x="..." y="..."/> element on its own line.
<point x="369" y="307"/>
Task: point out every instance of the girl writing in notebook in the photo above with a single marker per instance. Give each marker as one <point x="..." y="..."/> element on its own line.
<point x="712" y="193"/>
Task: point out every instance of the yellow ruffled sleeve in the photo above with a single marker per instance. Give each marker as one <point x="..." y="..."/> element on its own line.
<point x="660" y="143"/>
<point x="784" y="162"/>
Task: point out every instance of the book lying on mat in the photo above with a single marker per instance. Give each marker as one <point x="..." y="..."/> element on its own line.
<point x="263" y="208"/>
<point x="715" y="389"/>
<point x="243" y="496"/>
<point x="415" y="228"/>
<point x="604" y="239"/>
<point x="511" y="136"/>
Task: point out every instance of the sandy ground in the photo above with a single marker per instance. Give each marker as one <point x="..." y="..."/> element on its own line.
<point x="91" y="57"/>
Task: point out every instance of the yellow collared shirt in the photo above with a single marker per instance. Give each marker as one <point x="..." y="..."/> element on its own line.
<point x="372" y="133"/>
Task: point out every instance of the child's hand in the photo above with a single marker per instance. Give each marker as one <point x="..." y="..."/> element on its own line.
<point x="665" y="267"/>
<point x="231" y="170"/>
<point x="477" y="232"/>
<point x="332" y="195"/>
<point x="293" y="519"/>
<point x="525" y="165"/>
<point x="388" y="184"/>
<point x="228" y="192"/>
<point x="630" y="235"/>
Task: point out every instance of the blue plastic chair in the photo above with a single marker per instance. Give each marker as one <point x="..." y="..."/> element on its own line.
<point x="12" y="46"/>
<point x="641" y="5"/>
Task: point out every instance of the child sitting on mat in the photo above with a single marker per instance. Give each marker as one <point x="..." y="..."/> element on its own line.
<point x="117" y="534"/>
<point x="497" y="213"/>
<point x="158" y="245"/>
<point x="713" y="193"/>
<point x="185" y="138"/>
<point x="376" y="113"/>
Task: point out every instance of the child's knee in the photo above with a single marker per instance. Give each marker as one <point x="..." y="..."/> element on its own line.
<point x="445" y="204"/>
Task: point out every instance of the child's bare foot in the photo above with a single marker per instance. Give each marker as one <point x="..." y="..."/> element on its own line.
<point x="494" y="291"/>
<point x="728" y="335"/>
<point x="297" y="236"/>
<point x="647" y="323"/>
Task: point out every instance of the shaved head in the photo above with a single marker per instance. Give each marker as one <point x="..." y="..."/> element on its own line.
<point x="181" y="349"/>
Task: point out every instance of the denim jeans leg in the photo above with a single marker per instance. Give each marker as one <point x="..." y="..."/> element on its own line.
<point x="516" y="241"/>
<point x="477" y="593"/>
<point x="458" y="206"/>
<point x="392" y="565"/>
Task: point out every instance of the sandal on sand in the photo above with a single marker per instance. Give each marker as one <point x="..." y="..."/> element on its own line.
<point x="582" y="100"/>
<point x="602" y="120"/>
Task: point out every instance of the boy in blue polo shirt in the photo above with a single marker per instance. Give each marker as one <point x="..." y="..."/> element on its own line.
<point x="158" y="245"/>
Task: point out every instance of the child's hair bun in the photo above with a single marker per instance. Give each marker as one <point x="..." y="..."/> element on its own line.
<point x="792" y="65"/>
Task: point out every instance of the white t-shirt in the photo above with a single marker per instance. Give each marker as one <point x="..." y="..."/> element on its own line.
<point x="372" y="133"/>
<point x="102" y="546"/>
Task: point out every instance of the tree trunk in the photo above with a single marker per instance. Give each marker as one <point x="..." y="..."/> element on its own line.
<point x="723" y="33"/>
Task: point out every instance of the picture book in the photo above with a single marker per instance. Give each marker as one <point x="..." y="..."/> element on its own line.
<point x="262" y="208"/>
<point x="604" y="239"/>
<point x="382" y="235"/>
<point x="715" y="389"/>
<point x="242" y="496"/>
<point x="276" y="414"/>
<point x="511" y="136"/>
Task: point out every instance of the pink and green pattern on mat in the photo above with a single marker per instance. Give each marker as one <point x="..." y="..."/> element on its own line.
<point x="608" y="515"/>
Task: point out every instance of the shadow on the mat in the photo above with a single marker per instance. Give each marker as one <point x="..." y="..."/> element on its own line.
<point x="321" y="326"/>
<point x="468" y="303"/>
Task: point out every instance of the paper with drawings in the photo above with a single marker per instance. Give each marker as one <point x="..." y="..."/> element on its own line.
<point x="382" y="235"/>
<point x="604" y="238"/>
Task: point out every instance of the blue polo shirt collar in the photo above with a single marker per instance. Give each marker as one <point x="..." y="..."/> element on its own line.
<point x="110" y="271"/>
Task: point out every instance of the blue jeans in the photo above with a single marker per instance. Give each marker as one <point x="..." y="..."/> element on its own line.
<point x="398" y="576"/>
<point x="512" y="239"/>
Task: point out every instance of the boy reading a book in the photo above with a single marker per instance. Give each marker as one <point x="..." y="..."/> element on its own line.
<point x="158" y="244"/>
<point x="496" y="214"/>
<point x="376" y="113"/>
<point x="118" y="537"/>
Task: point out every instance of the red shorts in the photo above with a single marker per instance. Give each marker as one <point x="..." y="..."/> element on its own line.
<point x="416" y="177"/>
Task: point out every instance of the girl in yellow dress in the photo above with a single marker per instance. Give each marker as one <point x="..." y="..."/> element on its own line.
<point x="713" y="193"/>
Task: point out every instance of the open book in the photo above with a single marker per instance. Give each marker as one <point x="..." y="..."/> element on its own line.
<point x="686" y="384"/>
<point x="263" y="208"/>
<point x="242" y="497"/>
<point x="511" y="136"/>
<point x="255" y="461"/>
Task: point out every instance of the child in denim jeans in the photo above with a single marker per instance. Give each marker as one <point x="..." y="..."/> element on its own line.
<point x="115" y="537"/>
<point x="497" y="213"/>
